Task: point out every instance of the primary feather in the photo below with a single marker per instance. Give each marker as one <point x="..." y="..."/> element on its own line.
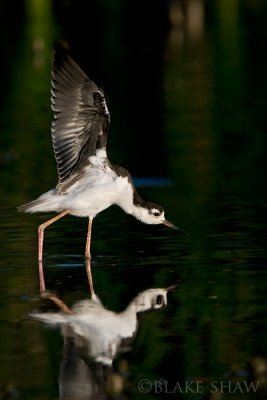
<point x="81" y="118"/>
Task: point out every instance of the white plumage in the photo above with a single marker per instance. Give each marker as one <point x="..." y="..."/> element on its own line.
<point x="88" y="182"/>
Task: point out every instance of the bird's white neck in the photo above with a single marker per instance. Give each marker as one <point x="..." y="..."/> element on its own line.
<point x="125" y="198"/>
<point x="130" y="208"/>
<point x="140" y="213"/>
<point x="130" y="201"/>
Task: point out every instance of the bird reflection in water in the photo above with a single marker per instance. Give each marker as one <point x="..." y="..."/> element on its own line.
<point x="93" y="335"/>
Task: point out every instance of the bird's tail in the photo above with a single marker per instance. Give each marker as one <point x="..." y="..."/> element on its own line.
<point x="46" y="202"/>
<point x="49" y="318"/>
<point x="31" y="206"/>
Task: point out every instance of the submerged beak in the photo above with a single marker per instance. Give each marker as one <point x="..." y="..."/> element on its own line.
<point x="170" y="225"/>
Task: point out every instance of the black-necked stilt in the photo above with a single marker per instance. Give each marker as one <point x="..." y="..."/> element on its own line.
<point x="93" y="336"/>
<point x="88" y="182"/>
<point x="101" y="329"/>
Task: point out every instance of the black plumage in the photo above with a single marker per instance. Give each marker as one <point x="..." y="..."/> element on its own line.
<point x="81" y="119"/>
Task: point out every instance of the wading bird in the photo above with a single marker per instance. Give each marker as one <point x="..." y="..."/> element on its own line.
<point x="88" y="182"/>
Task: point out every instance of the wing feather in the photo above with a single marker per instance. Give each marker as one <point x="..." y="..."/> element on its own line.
<point x="81" y="118"/>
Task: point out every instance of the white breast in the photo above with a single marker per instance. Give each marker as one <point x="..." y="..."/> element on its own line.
<point x="96" y="191"/>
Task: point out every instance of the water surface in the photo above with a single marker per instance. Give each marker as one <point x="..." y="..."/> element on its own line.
<point x="188" y="120"/>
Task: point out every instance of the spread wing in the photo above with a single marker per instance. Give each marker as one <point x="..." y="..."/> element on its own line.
<point x="81" y="118"/>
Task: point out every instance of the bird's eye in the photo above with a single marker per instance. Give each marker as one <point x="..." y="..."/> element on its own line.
<point x="155" y="212"/>
<point x="159" y="300"/>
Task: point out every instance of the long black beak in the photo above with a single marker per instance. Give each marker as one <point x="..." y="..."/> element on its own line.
<point x="170" y="225"/>
<point x="172" y="287"/>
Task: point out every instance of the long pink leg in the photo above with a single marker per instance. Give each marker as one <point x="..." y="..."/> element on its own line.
<point x="41" y="277"/>
<point x="41" y="229"/>
<point x="89" y="276"/>
<point x="60" y="303"/>
<point x="88" y="239"/>
<point x="88" y="258"/>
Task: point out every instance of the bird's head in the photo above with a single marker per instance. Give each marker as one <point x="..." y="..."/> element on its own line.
<point x="152" y="213"/>
<point x="151" y="299"/>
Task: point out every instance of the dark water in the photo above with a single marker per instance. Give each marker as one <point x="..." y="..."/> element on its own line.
<point x="186" y="84"/>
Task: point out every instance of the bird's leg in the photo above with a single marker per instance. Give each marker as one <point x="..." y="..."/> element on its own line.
<point x="89" y="276"/>
<point x="41" y="277"/>
<point x="88" y="258"/>
<point x="88" y="239"/>
<point x="60" y="303"/>
<point x="41" y="229"/>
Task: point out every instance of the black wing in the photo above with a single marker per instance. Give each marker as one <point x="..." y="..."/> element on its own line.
<point x="81" y="117"/>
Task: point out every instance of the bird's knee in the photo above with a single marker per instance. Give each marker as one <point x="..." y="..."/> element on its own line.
<point x="41" y="228"/>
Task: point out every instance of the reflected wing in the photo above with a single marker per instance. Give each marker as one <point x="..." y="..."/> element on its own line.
<point x="81" y="117"/>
